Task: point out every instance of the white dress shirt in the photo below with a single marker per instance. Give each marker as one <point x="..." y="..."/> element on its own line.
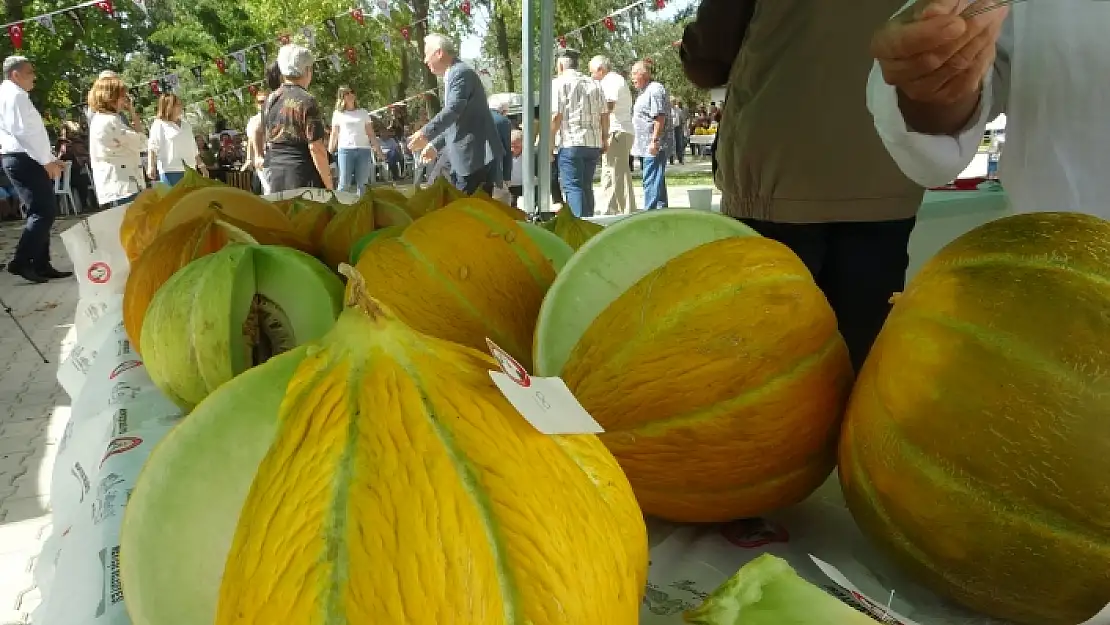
<point x="21" y="127"/>
<point x="616" y="91"/>
<point x="174" y="145"/>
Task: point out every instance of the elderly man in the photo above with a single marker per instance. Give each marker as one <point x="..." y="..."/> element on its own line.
<point x="464" y="128"/>
<point x="653" y="134"/>
<point x="30" y="165"/>
<point x="616" y="174"/>
<point x="580" y="121"/>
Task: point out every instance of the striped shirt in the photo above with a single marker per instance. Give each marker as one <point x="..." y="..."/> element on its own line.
<point x="580" y="101"/>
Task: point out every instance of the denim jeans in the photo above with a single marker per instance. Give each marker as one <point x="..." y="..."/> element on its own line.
<point x="354" y="169"/>
<point x="576" y="173"/>
<point x="655" y="181"/>
<point x="171" y="177"/>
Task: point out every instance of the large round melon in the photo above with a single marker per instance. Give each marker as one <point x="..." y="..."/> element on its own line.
<point x="976" y="447"/>
<point x="378" y="476"/>
<point x="720" y="379"/>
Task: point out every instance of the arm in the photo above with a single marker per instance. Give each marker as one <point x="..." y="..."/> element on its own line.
<point x="333" y="139"/>
<point x="456" y="99"/>
<point x="258" y="140"/>
<point x="28" y="129"/>
<point x="314" y="134"/>
<point x="320" y="160"/>
<point x="374" y="140"/>
<point x="936" y="158"/>
<point x="711" y="42"/>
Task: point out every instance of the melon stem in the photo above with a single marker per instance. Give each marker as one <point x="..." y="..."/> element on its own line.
<point x="357" y="297"/>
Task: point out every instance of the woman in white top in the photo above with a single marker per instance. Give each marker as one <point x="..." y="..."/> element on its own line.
<point x="171" y="146"/>
<point x="114" y="149"/>
<point x="352" y="133"/>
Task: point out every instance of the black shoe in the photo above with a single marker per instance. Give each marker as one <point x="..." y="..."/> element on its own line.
<point x="27" y="274"/>
<point x="50" y="273"/>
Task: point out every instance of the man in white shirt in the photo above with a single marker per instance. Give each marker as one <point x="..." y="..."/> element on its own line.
<point x="617" y="193"/>
<point x="939" y="79"/>
<point x="580" y="121"/>
<point x="30" y="165"/>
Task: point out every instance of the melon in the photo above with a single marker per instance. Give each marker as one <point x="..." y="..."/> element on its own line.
<point x="976" y="445"/>
<point x="378" y="476"/>
<point x="379" y="234"/>
<point x="309" y="219"/>
<point x="720" y="379"/>
<point x="572" y="228"/>
<point x="142" y="221"/>
<point x="350" y="223"/>
<point x="433" y="197"/>
<point x="228" y="311"/>
<point x="464" y="273"/>
<point x="553" y="248"/>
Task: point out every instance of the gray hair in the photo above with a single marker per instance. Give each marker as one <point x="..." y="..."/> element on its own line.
<point x="436" y="41"/>
<point x="295" y="61"/>
<point x="14" y="63"/>
<point x="600" y="62"/>
<point x="641" y="67"/>
<point x="516" y="135"/>
<point x="568" y="61"/>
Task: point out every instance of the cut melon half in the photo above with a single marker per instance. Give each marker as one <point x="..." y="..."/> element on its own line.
<point x="229" y="311"/>
<point x="553" y="248"/>
<point x="611" y="262"/>
<point x="186" y="503"/>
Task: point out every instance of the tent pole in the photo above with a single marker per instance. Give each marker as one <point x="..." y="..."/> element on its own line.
<point x="527" y="20"/>
<point x="546" y="70"/>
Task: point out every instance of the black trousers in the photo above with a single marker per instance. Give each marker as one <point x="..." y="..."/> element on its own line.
<point x="35" y="191"/>
<point x="858" y="265"/>
<point x="481" y="178"/>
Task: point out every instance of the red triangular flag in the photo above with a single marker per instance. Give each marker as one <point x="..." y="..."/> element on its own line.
<point x="358" y="16"/>
<point x="212" y="106"/>
<point x="352" y="56"/>
<point x="405" y="32"/>
<point x="660" y="4"/>
<point x="106" y="6"/>
<point x="253" y="89"/>
<point x="563" y="42"/>
<point x="221" y="64"/>
<point x="155" y="87"/>
<point x="609" y="23"/>
<point x="464" y="6"/>
<point x="15" y="31"/>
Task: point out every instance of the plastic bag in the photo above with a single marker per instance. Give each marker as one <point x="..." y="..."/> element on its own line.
<point x="99" y="261"/>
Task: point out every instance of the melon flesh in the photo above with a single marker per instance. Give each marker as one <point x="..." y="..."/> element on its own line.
<point x="611" y="262"/>
<point x="182" y="514"/>
<point x="553" y="248"/>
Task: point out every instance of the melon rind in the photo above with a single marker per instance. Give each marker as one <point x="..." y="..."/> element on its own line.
<point x="553" y="248"/>
<point x="609" y="264"/>
<point x="182" y="514"/>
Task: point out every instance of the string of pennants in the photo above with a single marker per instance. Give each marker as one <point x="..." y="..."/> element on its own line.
<point x="609" y="21"/>
<point x="15" y="29"/>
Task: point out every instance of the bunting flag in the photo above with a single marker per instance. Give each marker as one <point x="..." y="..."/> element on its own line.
<point x="172" y="81"/>
<point x="386" y="42"/>
<point x="610" y="25"/>
<point x="15" y="31"/>
<point x="358" y="16"/>
<point x="221" y="65"/>
<point x="142" y="6"/>
<point x="77" y="23"/>
<point x="253" y="89"/>
<point x="212" y="106"/>
<point x="352" y="56"/>
<point x="660" y="4"/>
<point x="309" y="33"/>
<point x="464" y="6"/>
<point x="47" y="22"/>
<point x="367" y="47"/>
<point x="239" y="94"/>
<point x="155" y="87"/>
<point x="240" y="57"/>
<point x="383" y="6"/>
<point x="134" y="91"/>
<point x="332" y="28"/>
<point x="405" y="33"/>
<point x="198" y="74"/>
<point x="334" y="60"/>
<point x="263" y="54"/>
<point x="563" y="42"/>
<point x="106" y="6"/>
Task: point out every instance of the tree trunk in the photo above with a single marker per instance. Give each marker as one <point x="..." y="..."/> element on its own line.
<point x="501" y="33"/>
<point x="403" y="82"/>
<point x="420" y="15"/>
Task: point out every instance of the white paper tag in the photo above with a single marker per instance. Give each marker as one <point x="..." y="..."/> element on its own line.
<point x="875" y="608"/>
<point x="546" y="403"/>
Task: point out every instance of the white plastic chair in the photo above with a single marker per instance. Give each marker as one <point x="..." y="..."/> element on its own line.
<point x="63" y="187"/>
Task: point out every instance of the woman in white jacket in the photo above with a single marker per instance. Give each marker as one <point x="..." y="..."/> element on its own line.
<point x="171" y="146"/>
<point x="114" y="148"/>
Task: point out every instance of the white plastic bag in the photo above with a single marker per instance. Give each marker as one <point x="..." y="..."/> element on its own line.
<point x="75" y="368"/>
<point x="99" y="262"/>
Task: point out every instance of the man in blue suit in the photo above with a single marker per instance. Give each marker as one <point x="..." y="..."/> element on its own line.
<point x="464" y="128"/>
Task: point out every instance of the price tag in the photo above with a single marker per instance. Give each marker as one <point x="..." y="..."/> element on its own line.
<point x="1102" y="618"/>
<point x="546" y="403"/>
<point x="874" y="608"/>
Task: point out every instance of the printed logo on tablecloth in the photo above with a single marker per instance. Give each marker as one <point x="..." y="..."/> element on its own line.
<point x="122" y="392"/>
<point x="124" y="367"/>
<point x="78" y="472"/>
<point x="754" y="533"/>
<point x="112" y="587"/>
<point x="99" y="272"/>
<point x="509" y="365"/>
<point x="121" y="445"/>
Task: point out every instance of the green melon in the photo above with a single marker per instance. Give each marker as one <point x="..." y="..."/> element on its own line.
<point x="381" y="234"/>
<point x="611" y="262"/>
<point x="555" y="249"/>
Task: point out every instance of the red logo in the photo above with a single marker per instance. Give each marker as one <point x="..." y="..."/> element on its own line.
<point x="120" y="445"/>
<point x="99" y="272"/>
<point x="509" y="365"/>
<point x="124" y="367"/>
<point x="754" y="533"/>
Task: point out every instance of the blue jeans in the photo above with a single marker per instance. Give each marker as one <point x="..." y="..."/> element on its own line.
<point x="576" y="175"/>
<point x="354" y="169"/>
<point x="655" y="181"/>
<point x="171" y="177"/>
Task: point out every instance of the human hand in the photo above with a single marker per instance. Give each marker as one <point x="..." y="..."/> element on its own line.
<point x="653" y="149"/>
<point x="428" y="154"/>
<point x="54" y="169"/>
<point x="932" y="55"/>
<point x="417" y="141"/>
<point x="604" y="145"/>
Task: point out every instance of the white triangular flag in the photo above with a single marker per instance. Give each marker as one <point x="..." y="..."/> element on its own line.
<point x="239" y="94"/>
<point x="386" y="42"/>
<point x="334" y="58"/>
<point x="172" y="81"/>
<point x="309" y="33"/>
<point x="142" y="5"/>
<point x="47" y="22"/>
<point x="383" y="5"/>
<point x="240" y="57"/>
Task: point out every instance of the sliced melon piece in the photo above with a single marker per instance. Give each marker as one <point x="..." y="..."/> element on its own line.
<point x="611" y="262"/>
<point x="175" y="515"/>
<point x="555" y="249"/>
<point x="377" y="235"/>
<point x="231" y="310"/>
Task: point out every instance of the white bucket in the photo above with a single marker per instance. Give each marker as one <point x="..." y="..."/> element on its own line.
<point x="700" y="199"/>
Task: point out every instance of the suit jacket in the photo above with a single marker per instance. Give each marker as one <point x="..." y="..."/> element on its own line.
<point x="465" y="128"/>
<point x="505" y="132"/>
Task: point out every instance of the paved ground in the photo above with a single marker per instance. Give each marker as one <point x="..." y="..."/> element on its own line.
<point x="33" y="414"/>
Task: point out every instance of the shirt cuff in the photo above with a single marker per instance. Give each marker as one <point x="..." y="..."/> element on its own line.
<point x="929" y="160"/>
